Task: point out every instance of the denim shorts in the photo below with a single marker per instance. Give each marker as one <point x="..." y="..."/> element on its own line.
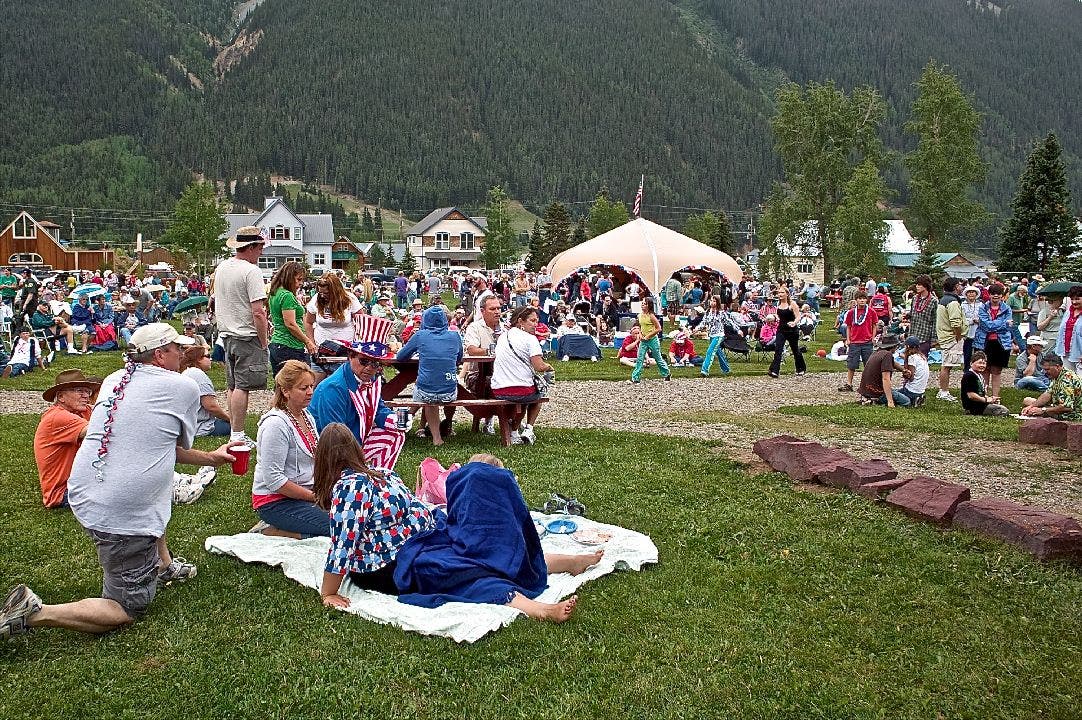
<point x="434" y="398"/>
<point x="130" y="567"/>
<point x="858" y="352"/>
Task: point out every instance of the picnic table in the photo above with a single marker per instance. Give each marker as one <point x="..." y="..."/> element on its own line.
<point x="480" y="407"/>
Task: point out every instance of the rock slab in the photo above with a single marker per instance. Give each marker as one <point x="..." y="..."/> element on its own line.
<point x="1045" y="534"/>
<point x="876" y="490"/>
<point x="929" y="499"/>
<point x="1043" y="431"/>
<point x="802" y="460"/>
<point x="1074" y="437"/>
<point x="853" y="473"/>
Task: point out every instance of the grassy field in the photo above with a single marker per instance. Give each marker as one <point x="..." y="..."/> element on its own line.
<point x="767" y="603"/>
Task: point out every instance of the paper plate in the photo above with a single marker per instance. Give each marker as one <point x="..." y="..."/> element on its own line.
<point x="562" y="527"/>
<point x="591" y="537"/>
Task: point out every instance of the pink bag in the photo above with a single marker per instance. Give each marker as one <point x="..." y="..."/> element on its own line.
<point x="432" y="481"/>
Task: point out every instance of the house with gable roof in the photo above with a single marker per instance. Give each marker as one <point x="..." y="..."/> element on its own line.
<point x="306" y="238"/>
<point x="447" y="237"/>
<point x="27" y="242"/>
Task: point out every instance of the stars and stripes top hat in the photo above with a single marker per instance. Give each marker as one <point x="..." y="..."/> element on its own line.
<point x="371" y="339"/>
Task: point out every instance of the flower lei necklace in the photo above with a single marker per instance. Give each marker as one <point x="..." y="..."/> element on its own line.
<point x="858" y="319"/>
<point x="918" y="306"/>
<point x="107" y="429"/>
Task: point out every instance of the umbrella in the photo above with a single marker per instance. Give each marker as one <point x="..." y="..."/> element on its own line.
<point x="193" y="302"/>
<point x="91" y="290"/>
<point x="1061" y="287"/>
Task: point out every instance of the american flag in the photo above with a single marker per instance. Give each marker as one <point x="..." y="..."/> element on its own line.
<point x="373" y="329"/>
<point x="637" y="210"/>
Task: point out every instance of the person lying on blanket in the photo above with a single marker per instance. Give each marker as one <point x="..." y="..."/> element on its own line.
<point x="485" y="549"/>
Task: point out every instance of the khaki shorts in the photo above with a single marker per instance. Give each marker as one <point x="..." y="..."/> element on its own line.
<point x="952" y="354"/>
<point x="246" y="364"/>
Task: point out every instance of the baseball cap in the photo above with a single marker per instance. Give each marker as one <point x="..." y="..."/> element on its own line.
<point x="912" y="342"/>
<point x="156" y="335"/>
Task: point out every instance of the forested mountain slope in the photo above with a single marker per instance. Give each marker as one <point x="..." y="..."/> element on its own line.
<point x="115" y="103"/>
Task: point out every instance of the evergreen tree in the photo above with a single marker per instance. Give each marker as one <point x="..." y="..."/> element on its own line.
<point x="857" y="228"/>
<point x="605" y="214"/>
<point x="500" y="243"/>
<point x="377" y="222"/>
<point x="702" y="227"/>
<point x="367" y="225"/>
<point x="377" y="259"/>
<point x="579" y="236"/>
<point x="537" y="256"/>
<point x="822" y="134"/>
<point x="197" y="224"/>
<point x="927" y="264"/>
<point x="557" y="231"/>
<point x="1041" y="227"/>
<point x="408" y="264"/>
<point x="946" y="163"/>
<point x="722" y="238"/>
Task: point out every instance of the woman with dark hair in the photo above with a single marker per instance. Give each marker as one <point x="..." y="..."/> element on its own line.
<point x="288" y="341"/>
<point x="484" y="549"/>
<point x="518" y="360"/>
<point x="994" y="336"/>
<point x="649" y="344"/>
<point x="788" y="332"/>
<point x="331" y="314"/>
<point x="713" y="323"/>
<point x="285" y="448"/>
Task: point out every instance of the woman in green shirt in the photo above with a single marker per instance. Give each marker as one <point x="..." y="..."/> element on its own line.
<point x="288" y="341"/>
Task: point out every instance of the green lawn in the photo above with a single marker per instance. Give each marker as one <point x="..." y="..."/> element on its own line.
<point x="767" y="603"/>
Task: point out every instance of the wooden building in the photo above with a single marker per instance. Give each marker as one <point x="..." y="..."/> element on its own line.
<point x="25" y="242"/>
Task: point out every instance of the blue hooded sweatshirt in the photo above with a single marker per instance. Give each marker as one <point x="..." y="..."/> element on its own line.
<point x="439" y="351"/>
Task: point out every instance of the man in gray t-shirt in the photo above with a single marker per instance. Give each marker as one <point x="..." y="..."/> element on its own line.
<point x="121" y="488"/>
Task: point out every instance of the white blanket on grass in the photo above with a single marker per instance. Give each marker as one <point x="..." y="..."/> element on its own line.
<point x="304" y="560"/>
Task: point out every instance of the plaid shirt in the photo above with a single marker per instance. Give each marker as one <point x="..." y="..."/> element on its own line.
<point x="922" y="323"/>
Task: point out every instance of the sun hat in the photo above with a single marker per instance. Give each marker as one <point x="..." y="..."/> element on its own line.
<point x="247" y="235"/>
<point x="70" y="379"/>
<point x="155" y="288"/>
<point x="1035" y="340"/>
<point x="888" y="341"/>
<point x="1038" y="277"/>
<point x="156" y="335"/>
<point x="417" y="301"/>
<point x="971" y="288"/>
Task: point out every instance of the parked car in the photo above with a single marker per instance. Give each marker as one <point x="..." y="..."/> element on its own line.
<point x="378" y="277"/>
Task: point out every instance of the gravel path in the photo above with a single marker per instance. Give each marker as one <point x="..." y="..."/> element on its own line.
<point x="739" y="411"/>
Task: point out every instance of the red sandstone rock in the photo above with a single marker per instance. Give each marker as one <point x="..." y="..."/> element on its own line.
<point x="772" y="449"/>
<point x="929" y="499"/>
<point x="876" y="490"/>
<point x="1046" y="534"/>
<point x="1074" y="437"/>
<point x="853" y="473"/>
<point x="1043" y="431"/>
<point x="801" y="460"/>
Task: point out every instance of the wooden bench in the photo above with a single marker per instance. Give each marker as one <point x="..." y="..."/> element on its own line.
<point x="480" y="408"/>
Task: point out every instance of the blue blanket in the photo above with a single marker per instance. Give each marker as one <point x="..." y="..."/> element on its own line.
<point x="484" y="552"/>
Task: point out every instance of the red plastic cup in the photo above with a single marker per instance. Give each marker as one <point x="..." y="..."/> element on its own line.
<point x="241" y="454"/>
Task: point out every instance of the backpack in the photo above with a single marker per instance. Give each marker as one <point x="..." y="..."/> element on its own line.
<point x="432" y="481"/>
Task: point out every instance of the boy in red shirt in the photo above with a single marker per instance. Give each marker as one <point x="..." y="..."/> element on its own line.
<point x="860" y="322"/>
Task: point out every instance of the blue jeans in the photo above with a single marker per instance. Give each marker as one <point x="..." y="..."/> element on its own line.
<point x="1031" y="383"/>
<point x="715" y="348"/>
<point x="900" y="399"/>
<point x="653" y="348"/>
<point x="296" y="516"/>
<point x="221" y="429"/>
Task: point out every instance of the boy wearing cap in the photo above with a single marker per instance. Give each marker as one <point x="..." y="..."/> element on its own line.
<point x="121" y="489"/>
<point x="1028" y="372"/>
<point x="241" y="313"/>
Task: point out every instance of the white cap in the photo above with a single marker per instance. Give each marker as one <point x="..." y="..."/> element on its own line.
<point x="156" y="335"/>
<point x="1035" y="340"/>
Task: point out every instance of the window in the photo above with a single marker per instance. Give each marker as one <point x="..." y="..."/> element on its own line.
<point x="24" y="228"/>
<point x="319" y="259"/>
<point x="805" y="268"/>
<point x="297" y="234"/>
<point x="267" y="263"/>
<point x="443" y="241"/>
<point x="25" y="259"/>
<point x="296" y="259"/>
<point x="466" y="241"/>
<point x="279" y="233"/>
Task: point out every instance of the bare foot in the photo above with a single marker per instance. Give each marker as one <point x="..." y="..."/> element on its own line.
<point x="551" y="612"/>
<point x="573" y="564"/>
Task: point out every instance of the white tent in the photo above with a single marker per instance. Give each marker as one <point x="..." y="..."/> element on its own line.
<point x="649" y="250"/>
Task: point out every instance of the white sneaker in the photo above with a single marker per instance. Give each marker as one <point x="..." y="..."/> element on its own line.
<point x="489" y="428"/>
<point x="186" y="489"/>
<point x="243" y="439"/>
<point x="73" y="351"/>
<point x="944" y="395"/>
<point x="527" y="435"/>
<point x="566" y="358"/>
<point x="594" y="358"/>
<point x="206" y="476"/>
<point x="516" y="439"/>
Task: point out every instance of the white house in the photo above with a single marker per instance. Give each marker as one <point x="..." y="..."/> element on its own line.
<point x="447" y="237"/>
<point x="807" y="263"/>
<point x="304" y="238"/>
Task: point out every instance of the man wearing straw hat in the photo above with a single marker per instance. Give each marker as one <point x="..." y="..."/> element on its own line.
<point x="61" y="431"/>
<point x="241" y="313"/>
<point x="121" y="488"/>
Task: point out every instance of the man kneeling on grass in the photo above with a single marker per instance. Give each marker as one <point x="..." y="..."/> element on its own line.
<point x="121" y="488"/>
<point x="875" y="386"/>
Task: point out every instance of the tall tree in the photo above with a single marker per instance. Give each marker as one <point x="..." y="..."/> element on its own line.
<point x="702" y="227"/>
<point x="376" y="258"/>
<point x="946" y="164"/>
<point x="198" y="223"/>
<point x="536" y="257"/>
<point x="408" y="264"/>
<point x="1041" y="227"/>
<point x="578" y="237"/>
<point x="722" y="237"/>
<point x="822" y="134"/>
<point x="605" y="214"/>
<point x="501" y="244"/>
<point x="557" y="230"/>
<point x="780" y="232"/>
<point x="367" y="224"/>
<point x="857" y="228"/>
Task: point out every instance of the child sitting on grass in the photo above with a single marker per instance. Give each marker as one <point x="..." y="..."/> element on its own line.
<point x="974" y="399"/>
